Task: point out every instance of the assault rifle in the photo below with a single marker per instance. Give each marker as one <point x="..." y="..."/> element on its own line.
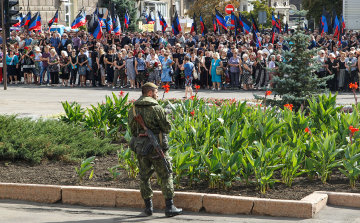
<point x="154" y="142"/>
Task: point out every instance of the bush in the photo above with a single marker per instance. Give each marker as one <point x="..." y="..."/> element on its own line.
<point x="33" y="141"/>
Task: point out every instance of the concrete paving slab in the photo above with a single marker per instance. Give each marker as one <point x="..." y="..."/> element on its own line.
<point x="27" y="212"/>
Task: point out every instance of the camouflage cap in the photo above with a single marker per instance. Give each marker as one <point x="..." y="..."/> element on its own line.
<point x="149" y="84"/>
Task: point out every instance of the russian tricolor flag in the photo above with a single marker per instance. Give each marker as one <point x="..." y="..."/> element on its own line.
<point x="20" y="18"/>
<point x="35" y="22"/>
<point x="80" y="20"/>
<point x="162" y="22"/>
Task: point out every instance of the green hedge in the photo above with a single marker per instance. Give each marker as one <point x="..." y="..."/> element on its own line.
<point x="32" y="141"/>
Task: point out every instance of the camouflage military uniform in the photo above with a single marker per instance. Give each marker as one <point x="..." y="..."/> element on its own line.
<point x="155" y="119"/>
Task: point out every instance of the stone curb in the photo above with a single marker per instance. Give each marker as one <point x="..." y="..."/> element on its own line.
<point x="342" y="199"/>
<point x="195" y="202"/>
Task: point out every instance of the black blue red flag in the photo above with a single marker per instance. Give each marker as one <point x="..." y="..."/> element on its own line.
<point x="35" y="22"/>
<point x="220" y="20"/>
<point x="80" y="20"/>
<point x="203" y="27"/>
<point x="55" y="19"/>
<point x="193" y="25"/>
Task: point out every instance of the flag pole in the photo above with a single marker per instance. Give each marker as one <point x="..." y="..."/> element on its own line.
<point x="4" y="45"/>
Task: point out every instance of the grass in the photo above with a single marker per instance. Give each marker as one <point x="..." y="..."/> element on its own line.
<point x="23" y="139"/>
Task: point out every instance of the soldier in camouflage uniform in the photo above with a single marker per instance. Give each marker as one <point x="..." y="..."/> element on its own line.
<point x="148" y="160"/>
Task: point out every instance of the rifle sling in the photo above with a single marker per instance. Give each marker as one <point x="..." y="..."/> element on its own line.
<point x="160" y="134"/>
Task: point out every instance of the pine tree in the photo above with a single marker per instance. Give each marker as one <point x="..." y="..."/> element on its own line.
<point x="296" y="81"/>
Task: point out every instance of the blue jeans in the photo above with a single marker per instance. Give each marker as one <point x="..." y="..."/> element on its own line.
<point x="43" y="70"/>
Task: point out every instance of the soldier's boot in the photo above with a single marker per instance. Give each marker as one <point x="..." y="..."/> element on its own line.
<point x="170" y="209"/>
<point x="148" y="207"/>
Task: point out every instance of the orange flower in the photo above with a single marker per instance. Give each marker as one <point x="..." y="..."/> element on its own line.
<point x="307" y="130"/>
<point x="267" y="93"/>
<point x="121" y="94"/>
<point x="289" y="106"/>
<point x="192" y="113"/>
<point x="197" y="87"/>
<point x="192" y="97"/>
<point x="353" y="130"/>
<point x="353" y="86"/>
<point x="167" y="90"/>
<point x="166" y="86"/>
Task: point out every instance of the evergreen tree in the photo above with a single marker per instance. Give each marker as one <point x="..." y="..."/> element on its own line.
<point x="120" y="7"/>
<point x="296" y="81"/>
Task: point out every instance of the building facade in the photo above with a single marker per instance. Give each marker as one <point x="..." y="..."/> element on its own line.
<point x="68" y="9"/>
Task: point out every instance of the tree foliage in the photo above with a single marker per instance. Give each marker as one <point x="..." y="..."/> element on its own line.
<point x="206" y="8"/>
<point x="315" y="8"/>
<point x="261" y="5"/>
<point x="120" y="7"/>
<point x="296" y="81"/>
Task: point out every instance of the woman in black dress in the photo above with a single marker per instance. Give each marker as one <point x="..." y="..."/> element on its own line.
<point x="73" y="67"/>
<point x="64" y="68"/>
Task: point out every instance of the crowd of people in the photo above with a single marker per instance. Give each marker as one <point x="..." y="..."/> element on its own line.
<point x="213" y="61"/>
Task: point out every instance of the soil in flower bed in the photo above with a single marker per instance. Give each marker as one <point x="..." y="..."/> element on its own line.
<point x="59" y="173"/>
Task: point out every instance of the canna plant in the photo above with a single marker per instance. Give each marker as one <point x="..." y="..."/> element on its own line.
<point x="73" y="113"/>
<point x="324" y="156"/>
<point x="86" y="165"/>
<point x="264" y="160"/>
<point x="127" y="161"/>
<point x="351" y="163"/>
<point x="292" y="160"/>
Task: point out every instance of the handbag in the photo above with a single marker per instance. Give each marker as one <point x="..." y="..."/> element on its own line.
<point x="195" y="74"/>
<point x="219" y="71"/>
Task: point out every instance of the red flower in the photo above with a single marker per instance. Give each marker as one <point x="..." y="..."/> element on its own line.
<point x="166" y="86"/>
<point x="192" y="113"/>
<point x="289" y="106"/>
<point x="353" y="86"/>
<point x="167" y="90"/>
<point x="192" y="97"/>
<point x="267" y="93"/>
<point x="156" y="64"/>
<point x="197" y="87"/>
<point x="353" y="130"/>
<point x="121" y="94"/>
<point x="307" y="130"/>
<point x="26" y="48"/>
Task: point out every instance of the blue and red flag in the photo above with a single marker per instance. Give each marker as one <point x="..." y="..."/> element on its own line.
<point x="95" y="28"/>
<point x="35" y="22"/>
<point x="273" y="34"/>
<point x="245" y="24"/>
<point x="80" y="20"/>
<point x="275" y="23"/>
<point x="55" y="19"/>
<point x="254" y="25"/>
<point x="194" y="26"/>
<point x="256" y="39"/>
<point x="26" y="20"/>
<point x="235" y="22"/>
<point x="214" y="24"/>
<point x="343" y="25"/>
<point x="109" y="24"/>
<point x="162" y="22"/>
<point x="127" y="19"/>
<point x="203" y="27"/>
<point x="220" y="20"/>
<point x="324" y="24"/>
<point x="20" y="19"/>
<point x="176" y="27"/>
<point x="336" y="27"/>
<point x="150" y="19"/>
<point x="117" y="26"/>
<point x="279" y="23"/>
